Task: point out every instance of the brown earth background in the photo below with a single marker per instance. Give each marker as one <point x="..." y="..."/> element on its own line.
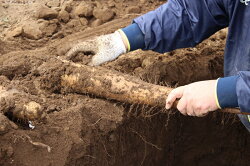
<point x="82" y="129"/>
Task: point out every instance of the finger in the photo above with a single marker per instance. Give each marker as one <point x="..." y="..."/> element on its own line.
<point x="63" y="48"/>
<point x="173" y="95"/>
<point x="202" y="114"/>
<point x="190" y="109"/>
<point x="81" y="47"/>
<point x="182" y="106"/>
<point x="191" y="112"/>
<point x="201" y="111"/>
<point x="98" y="59"/>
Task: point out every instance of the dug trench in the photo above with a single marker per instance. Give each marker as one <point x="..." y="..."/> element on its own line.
<point x="84" y="129"/>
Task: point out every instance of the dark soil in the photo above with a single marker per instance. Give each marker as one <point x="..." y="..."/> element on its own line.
<point x="88" y="130"/>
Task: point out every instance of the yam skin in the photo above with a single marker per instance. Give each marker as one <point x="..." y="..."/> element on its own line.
<point x="117" y="86"/>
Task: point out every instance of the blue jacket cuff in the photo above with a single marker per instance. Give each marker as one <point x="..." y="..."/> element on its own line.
<point x="226" y="92"/>
<point x="135" y="37"/>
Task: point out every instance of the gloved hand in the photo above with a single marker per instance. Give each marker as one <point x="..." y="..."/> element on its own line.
<point x="196" y="99"/>
<point x="105" y="48"/>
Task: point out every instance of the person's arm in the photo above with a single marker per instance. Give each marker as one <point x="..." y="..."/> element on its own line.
<point x="243" y="91"/>
<point x="234" y="91"/>
<point x="200" y="98"/>
<point x="230" y="92"/>
<point x="177" y="24"/>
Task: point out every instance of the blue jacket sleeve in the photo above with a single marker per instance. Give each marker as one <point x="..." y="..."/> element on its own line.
<point x="243" y="91"/>
<point x="182" y="23"/>
<point x="234" y="91"/>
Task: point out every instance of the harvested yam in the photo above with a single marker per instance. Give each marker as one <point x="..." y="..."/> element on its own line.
<point x="114" y="85"/>
<point x="109" y="84"/>
<point x="65" y="77"/>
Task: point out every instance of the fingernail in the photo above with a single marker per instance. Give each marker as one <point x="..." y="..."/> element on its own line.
<point x="167" y="101"/>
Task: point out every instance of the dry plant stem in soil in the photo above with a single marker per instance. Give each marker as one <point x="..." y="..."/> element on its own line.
<point x="115" y="85"/>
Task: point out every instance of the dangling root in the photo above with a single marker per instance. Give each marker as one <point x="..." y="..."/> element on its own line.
<point x="115" y="85"/>
<point x="39" y="144"/>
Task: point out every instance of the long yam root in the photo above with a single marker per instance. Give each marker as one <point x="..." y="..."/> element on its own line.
<point x="115" y="85"/>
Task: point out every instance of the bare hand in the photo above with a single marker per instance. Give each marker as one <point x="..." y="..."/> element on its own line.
<point x="196" y="99"/>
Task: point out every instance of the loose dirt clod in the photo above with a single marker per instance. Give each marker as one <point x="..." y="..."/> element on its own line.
<point x="54" y="3"/>
<point x="84" y="10"/>
<point x="46" y="13"/>
<point x="6" y="124"/>
<point x="63" y="16"/>
<point x="14" y="33"/>
<point x="103" y="14"/>
<point x="96" y="23"/>
<point x="32" y="31"/>
<point x="133" y="9"/>
<point x="48" y="28"/>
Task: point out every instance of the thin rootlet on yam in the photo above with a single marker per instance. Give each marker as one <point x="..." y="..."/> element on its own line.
<point x="115" y="85"/>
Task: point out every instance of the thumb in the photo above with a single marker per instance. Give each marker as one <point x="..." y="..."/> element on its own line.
<point x="173" y="95"/>
<point x="98" y="59"/>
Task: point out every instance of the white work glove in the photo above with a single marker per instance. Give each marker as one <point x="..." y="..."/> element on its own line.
<point x="196" y="99"/>
<point x="105" y="48"/>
